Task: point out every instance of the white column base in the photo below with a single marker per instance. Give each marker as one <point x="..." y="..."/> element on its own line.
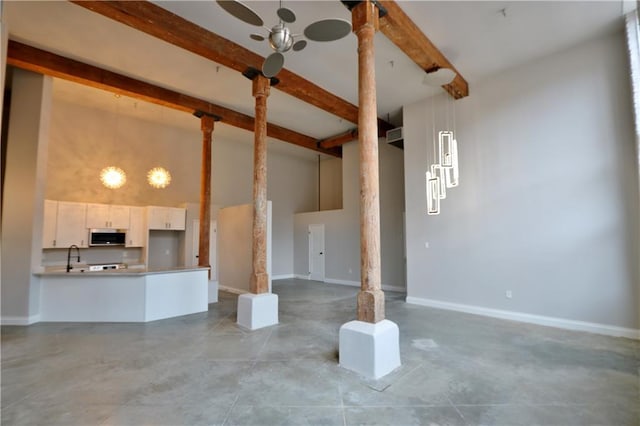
<point x="257" y="310"/>
<point x="372" y="350"/>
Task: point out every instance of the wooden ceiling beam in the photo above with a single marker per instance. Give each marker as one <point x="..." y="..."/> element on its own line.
<point x="339" y="140"/>
<point x="43" y="62"/>
<point x="158" y="22"/>
<point x="404" y="33"/>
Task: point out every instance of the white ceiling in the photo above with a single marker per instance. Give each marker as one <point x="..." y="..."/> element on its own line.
<point x="480" y="38"/>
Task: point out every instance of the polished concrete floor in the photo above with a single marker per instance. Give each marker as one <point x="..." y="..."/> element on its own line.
<point x="202" y="369"/>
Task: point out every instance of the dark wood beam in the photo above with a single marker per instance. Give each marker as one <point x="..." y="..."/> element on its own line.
<point x="404" y="33"/>
<point x="158" y="22"/>
<point x="339" y="140"/>
<point x="43" y="62"/>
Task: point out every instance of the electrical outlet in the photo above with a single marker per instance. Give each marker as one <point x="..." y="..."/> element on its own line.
<point x="350" y="271"/>
<point x="426" y="244"/>
<point x="508" y="294"/>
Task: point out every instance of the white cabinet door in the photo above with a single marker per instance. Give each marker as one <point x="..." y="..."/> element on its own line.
<point x="119" y="217"/>
<point x="176" y="218"/>
<point x="166" y="218"/>
<point x="107" y="216"/>
<point x="136" y="231"/>
<point x="157" y="217"/>
<point x="49" y="224"/>
<point x="97" y="216"/>
<point x="71" y="225"/>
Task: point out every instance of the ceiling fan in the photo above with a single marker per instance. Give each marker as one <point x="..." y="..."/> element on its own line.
<point x="280" y="37"/>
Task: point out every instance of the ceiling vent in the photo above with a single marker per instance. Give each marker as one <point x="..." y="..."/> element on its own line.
<point x="395" y="137"/>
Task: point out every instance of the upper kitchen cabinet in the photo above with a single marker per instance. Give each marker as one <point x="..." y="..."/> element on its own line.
<point x="167" y="218"/>
<point x="137" y="231"/>
<point x="50" y="224"/>
<point x="107" y="216"/>
<point x="64" y="224"/>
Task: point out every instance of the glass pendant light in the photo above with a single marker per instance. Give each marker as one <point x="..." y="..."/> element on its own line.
<point x="433" y="194"/>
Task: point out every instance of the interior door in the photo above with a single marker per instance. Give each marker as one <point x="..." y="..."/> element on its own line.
<point x="316" y="252"/>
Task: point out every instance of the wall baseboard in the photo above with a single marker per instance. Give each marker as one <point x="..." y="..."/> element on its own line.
<point x="20" y="320"/>
<point x="302" y="277"/>
<point x="357" y="284"/>
<point x="213" y="291"/>
<point x="566" y="324"/>
<point x="231" y="289"/>
<point x="283" y="277"/>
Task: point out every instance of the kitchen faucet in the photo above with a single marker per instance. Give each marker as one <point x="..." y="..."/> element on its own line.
<point x="69" y="267"/>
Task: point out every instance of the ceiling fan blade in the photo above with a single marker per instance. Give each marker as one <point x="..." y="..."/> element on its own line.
<point x="299" y="45"/>
<point x="286" y="15"/>
<point x="273" y="64"/>
<point x="256" y="37"/>
<point x="242" y="12"/>
<point x="327" y="30"/>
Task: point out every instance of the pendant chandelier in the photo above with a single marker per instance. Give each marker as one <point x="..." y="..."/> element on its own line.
<point x="444" y="173"/>
<point x="159" y="177"/>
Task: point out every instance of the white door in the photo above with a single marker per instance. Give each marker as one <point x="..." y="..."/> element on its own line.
<point x="316" y="252"/>
<point x="213" y="245"/>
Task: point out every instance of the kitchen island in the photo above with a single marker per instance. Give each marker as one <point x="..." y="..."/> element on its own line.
<point x="122" y="295"/>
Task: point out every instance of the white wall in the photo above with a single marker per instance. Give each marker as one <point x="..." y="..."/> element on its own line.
<point x="235" y="247"/>
<point x="331" y="184"/>
<point x="23" y="205"/>
<point x="342" y="227"/>
<point x="547" y="204"/>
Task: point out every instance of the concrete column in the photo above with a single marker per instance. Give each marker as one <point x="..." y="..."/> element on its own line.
<point x="259" y="277"/>
<point x="371" y="297"/>
<point x="206" y="122"/>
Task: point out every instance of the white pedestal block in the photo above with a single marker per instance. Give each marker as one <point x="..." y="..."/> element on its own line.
<point x="372" y="350"/>
<point x="257" y="310"/>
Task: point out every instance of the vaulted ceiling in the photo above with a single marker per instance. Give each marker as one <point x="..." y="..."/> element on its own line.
<point x="479" y="38"/>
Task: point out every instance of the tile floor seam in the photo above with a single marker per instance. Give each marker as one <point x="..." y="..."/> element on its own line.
<point x="399" y="406"/>
<point x="456" y="408"/>
<point x="264" y="345"/>
<point x="233" y="405"/>
<point x="344" y="412"/>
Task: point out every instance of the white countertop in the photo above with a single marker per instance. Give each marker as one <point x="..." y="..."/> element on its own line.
<point x="84" y="272"/>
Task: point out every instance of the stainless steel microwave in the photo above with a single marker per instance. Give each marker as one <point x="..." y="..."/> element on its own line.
<point x="107" y="237"/>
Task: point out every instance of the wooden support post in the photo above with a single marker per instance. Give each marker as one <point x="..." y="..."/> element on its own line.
<point x="259" y="276"/>
<point x="206" y="124"/>
<point x="370" y="297"/>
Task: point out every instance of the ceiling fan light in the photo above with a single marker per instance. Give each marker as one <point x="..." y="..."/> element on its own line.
<point x="280" y="38"/>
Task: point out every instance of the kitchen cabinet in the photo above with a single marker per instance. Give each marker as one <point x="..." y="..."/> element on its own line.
<point x="49" y="224"/>
<point x="172" y="218"/>
<point x="137" y="230"/>
<point x="64" y="224"/>
<point x="107" y="216"/>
